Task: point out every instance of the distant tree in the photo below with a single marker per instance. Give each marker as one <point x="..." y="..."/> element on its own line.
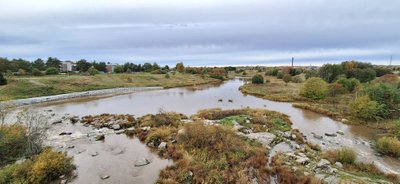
<point x="119" y="69"/>
<point x="314" y="88"/>
<point x="330" y="72"/>
<point x="155" y="66"/>
<point x="52" y="71"/>
<point x="257" y="79"/>
<point x="4" y="64"/>
<point x="286" y="78"/>
<point x="83" y="66"/>
<point x="100" y="66"/>
<point x="53" y="62"/>
<point x="3" y="80"/>
<point x="365" y="75"/>
<point x="180" y="67"/>
<point x="166" y="68"/>
<point x="18" y="64"/>
<point x="147" y="67"/>
<point x="381" y="71"/>
<point x="39" y="64"/>
<point x="294" y="71"/>
<point x="36" y="72"/>
<point x="93" y="71"/>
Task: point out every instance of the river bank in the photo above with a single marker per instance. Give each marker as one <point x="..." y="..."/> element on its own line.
<point x="30" y="87"/>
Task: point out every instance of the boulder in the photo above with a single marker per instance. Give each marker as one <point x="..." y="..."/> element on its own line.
<point x="100" y="137"/>
<point x="323" y="163"/>
<point x="318" y="136"/>
<point x="264" y="138"/>
<point x="58" y="121"/>
<point x="338" y="165"/>
<point x="302" y="160"/>
<point x="330" y="134"/>
<point x="116" y="127"/>
<point x="104" y="177"/>
<point x="162" y="146"/>
<point x="141" y="162"/>
<point x="340" y="132"/>
<point x="65" y="133"/>
<point x="63" y="181"/>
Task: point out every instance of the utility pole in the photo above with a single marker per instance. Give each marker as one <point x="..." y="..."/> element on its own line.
<point x="292" y="61"/>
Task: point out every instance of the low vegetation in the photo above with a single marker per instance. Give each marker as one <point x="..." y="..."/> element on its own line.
<point x="388" y="146"/>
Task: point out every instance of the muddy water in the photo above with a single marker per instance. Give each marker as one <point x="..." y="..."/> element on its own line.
<point x="112" y="159"/>
<point x="190" y="100"/>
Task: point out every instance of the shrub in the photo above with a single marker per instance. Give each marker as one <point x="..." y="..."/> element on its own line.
<point x="218" y="73"/>
<point x="314" y="88"/>
<point x="51" y="71"/>
<point x="286" y="78"/>
<point x="44" y="168"/>
<point x="93" y="71"/>
<point x="387" y="95"/>
<point x="36" y="72"/>
<point x="388" y="146"/>
<point x="349" y="84"/>
<point x="272" y="72"/>
<point x="366" y="108"/>
<point x="3" y="80"/>
<point x="311" y="73"/>
<point x="49" y="165"/>
<point x="280" y="75"/>
<point x="22" y="72"/>
<point x="167" y="76"/>
<point x="335" y="89"/>
<point x="344" y="155"/>
<point x="297" y="79"/>
<point x="13" y="143"/>
<point x="257" y="79"/>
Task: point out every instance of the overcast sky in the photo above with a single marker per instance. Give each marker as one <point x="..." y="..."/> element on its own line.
<point x="202" y="32"/>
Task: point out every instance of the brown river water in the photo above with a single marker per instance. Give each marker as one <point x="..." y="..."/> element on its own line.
<point x="117" y="153"/>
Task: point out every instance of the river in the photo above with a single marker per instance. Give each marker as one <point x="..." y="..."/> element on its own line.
<point x="191" y="99"/>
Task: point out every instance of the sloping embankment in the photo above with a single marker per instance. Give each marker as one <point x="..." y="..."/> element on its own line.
<point x="35" y="100"/>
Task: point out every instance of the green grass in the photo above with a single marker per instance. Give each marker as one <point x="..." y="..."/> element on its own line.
<point x="27" y="87"/>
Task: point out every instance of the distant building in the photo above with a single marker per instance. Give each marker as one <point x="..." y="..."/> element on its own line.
<point x="68" y="66"/>
<point x="110" y="68"/>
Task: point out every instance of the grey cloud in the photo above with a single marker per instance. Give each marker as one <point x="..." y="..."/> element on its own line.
<point x="202" y="32"/>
